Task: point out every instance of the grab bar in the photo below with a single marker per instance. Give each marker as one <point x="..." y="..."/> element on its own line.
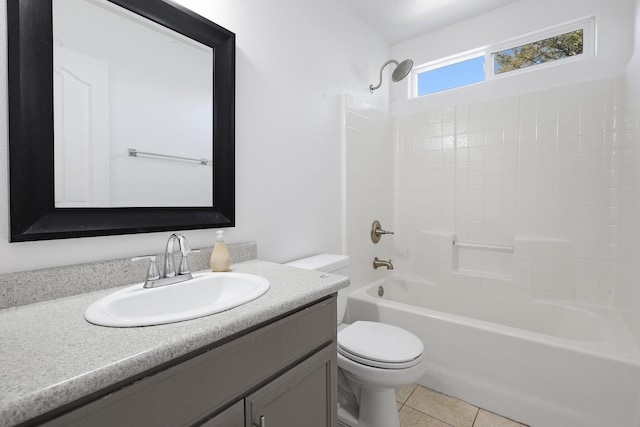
<point x="134" y="153"/>
<point x="501" y="248"/>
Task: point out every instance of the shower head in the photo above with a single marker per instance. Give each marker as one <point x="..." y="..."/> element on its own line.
<point x="402" y="70"/>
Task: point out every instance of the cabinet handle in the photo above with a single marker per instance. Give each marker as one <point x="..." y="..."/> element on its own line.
<point x="263" y="423"/>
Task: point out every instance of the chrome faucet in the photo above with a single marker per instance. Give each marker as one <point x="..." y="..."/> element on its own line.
<point x="382" y="263"/>
<point x="154" y="279"/>
<point x="183" y="246"/>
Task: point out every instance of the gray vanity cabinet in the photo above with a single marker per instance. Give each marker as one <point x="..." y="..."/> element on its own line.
<point x="282" y="374"/>
<point x="232" y="417"/>
<point x="301" y="397"/>
<point x="298" y="398"/>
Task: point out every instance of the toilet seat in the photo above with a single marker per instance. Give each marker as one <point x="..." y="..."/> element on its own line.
<point x="380" y="345"/>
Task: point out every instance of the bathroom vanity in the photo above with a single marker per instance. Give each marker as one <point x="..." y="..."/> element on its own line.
<point x="270" y="362"/>
<point x="283" y="373"/>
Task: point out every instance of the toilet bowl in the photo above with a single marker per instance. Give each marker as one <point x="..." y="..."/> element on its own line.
<point x="373" y="359"/>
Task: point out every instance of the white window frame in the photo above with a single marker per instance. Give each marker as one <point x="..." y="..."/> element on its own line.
<point x="588" y="25"/>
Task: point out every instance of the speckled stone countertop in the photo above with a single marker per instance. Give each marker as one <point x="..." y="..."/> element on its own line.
<point x="50" y="356"/>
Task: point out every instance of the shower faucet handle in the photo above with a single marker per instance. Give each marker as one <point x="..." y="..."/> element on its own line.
<point x="377" y="231"/>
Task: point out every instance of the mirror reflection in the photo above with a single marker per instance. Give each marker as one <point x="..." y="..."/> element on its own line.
<point x="133" y="108"/>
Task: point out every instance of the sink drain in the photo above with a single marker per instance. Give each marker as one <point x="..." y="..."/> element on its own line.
<point x="380" y="291"/>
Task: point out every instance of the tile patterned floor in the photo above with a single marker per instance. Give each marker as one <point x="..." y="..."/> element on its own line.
<point x="421" y="407"/>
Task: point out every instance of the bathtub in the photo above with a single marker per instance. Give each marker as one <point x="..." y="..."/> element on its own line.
<point x="544" y="363"/>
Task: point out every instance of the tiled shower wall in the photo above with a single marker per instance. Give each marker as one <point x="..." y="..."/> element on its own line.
<point x="531" y="176"/>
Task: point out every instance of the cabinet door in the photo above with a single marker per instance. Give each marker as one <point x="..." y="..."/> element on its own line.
<point x="302" y="396"/>
<point x="232" y="417"/>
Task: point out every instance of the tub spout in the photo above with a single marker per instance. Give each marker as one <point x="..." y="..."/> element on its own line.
<point x="382" y="263"/>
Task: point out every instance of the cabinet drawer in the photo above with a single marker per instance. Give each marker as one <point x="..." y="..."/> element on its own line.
<point x="188" y="392"/>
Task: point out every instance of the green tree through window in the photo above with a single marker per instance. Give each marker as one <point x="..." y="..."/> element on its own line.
<point x="539" y="52"/>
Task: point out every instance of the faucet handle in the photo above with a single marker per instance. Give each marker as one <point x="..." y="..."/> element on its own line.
<point x="154" y="273"/>
<point x="184" y="265"/>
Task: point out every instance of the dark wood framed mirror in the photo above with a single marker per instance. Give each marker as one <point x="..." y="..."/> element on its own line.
<point x="33" y="211"/>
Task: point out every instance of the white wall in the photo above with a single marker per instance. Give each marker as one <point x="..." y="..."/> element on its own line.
<point x="614" y="20"/>
<point x="294" y="60"/>
<point x="628" y="192"/>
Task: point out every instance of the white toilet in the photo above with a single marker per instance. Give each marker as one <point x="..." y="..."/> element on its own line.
<point x="373" y="358"/>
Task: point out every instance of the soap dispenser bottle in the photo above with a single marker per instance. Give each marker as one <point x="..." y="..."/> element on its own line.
<point x="220" y="257"/>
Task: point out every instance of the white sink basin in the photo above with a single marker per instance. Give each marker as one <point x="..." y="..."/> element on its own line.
<point x="205" y="294"/>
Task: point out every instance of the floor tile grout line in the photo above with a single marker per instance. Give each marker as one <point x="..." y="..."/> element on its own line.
<point x="477" y="408"/>
<point x="476" y="417"/>
<point x="410" y="394"/>
<point x="417" y="386"/>
<point x="428" y="415"/>
<point x="431" y="415"/>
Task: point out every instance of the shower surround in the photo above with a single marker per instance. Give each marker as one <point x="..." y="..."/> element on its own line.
<point x="552" y="178"/>
<point x="532" y="176"/>
<point x="543" y="187"/>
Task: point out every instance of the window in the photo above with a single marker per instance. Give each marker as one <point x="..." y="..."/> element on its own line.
<point x="569" y="42"/>
<point x="446" y="77"/>
<point x="539" y="52"/>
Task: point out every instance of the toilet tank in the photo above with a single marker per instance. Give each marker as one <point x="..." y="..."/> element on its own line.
<point x="328" y="263"/>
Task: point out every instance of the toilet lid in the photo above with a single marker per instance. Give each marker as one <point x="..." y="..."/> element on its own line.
<point x="381" y="345"/>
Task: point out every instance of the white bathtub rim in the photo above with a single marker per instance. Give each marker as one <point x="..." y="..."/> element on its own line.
<point x="631" y="354"/>
<point x="581" y="305"/>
